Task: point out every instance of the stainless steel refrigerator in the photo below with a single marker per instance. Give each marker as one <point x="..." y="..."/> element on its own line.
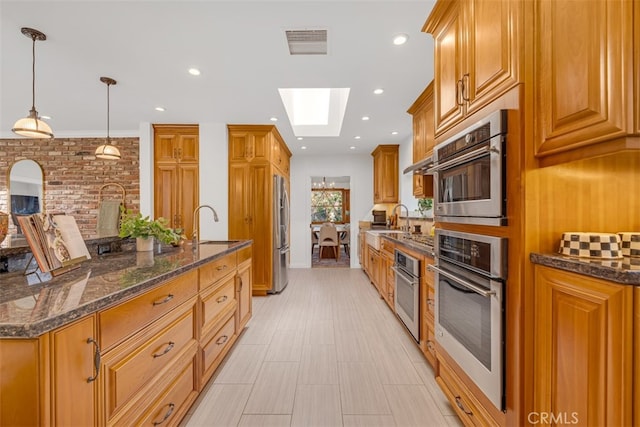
<point x="280" y="234"/>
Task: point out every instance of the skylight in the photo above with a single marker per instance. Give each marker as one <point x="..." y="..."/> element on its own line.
<point x="315" y="111"/>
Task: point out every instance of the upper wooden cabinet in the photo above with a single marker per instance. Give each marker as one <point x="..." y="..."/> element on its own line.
<point x="176" y="174"/>
<point x="259" y="143"/>
<point x="585" y="76"/>
<point x="476" y="54"/>
<point x="385" y="174"/>
<point x="423" y="139"/>
<point x="583" y="348"/>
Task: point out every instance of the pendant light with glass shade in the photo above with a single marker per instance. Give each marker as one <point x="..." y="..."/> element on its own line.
<point x="108" y="151"/>
<point x="31" y="126"/>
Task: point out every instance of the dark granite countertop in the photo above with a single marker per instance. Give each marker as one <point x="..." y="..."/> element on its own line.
<point x="33" y="304"/>
<point x="419" y="242"/>
<point x="625" y="271"/>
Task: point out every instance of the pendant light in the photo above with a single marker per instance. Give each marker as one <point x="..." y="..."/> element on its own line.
<point x="108" y="151"/>
<point x="31" y="126"/>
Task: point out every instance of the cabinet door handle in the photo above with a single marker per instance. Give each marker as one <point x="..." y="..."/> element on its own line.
<point x="166" y="416"/>
<point x="461" y="406"/>
<point x="164" y="301"/>
<point x="239" y="284"/>
<point x="465" y="87"/>
<point x="221" y="267"/>
<point x="222" y="299"/>
<point x="96" y="359"/>
<point x="430" y="345"/>
<point x="223" y="339"/>
<point x="166" y="350"/>
<point x="459" y="89"/>
<point x="174" y="153"/>
<point x="430" y="303"/>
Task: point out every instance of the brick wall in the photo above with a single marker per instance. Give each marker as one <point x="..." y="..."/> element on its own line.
<point x="73" y="175"/>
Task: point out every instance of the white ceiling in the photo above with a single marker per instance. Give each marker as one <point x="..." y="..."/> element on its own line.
<point x="241" y="50"/>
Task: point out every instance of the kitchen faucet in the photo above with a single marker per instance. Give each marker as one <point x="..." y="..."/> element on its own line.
<point x="195" y="223"/>
<point x="393" y="212"/>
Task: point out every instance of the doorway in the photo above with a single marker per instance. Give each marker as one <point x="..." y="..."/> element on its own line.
<point x="330" y="207"/>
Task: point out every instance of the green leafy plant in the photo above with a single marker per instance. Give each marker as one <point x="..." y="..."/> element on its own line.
<point x="133" y="224"/>
<point x="424" y="205"/>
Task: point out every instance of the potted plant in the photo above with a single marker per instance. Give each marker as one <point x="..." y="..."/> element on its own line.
<point x="425" y="207"/>
<point x="145" y="229"/>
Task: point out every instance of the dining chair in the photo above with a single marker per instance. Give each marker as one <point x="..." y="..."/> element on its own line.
<point x="329" y="239"/>
<point x="345" y="240"/>
<point x="314" y="240"/>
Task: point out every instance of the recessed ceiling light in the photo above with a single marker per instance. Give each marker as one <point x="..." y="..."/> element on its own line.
<point x="365" y="118"/>
<point x="274" y="119"/>
<point x="300" y="138"/>
<point x="352" y="148"/>
<point x="399" y="39"/>
<point x="395" y="132"/>
<point x="45" y="117"/>
<point x="160" y="109"/>
<point x="194" y="71"/>
<point x="304" y="147"/>
<point x="378" y="91"/>
<point x="356" y="137"/>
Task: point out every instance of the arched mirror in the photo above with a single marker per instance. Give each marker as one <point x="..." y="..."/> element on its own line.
<point x="25" y="189"/>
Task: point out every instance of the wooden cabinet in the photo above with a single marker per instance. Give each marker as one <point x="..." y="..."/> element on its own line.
<point x="176" y="174"/>
<point x="256" y="154"/>
<point x="585" y="76"/>
<point x="243" y="289"/>
<point x="476" y="55"/>
<point x="387" y="275"/>
<point x="583" y="352"/>
<point x="427" y="311"/>
<point x="423" y="139"/>
<point x="74" y="349"/>
<point x="636" y="358"/>
<point x="385" y="174"/>
<point x="374" y="268"/>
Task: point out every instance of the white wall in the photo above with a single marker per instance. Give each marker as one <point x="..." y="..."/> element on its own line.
<point x="406" y="181"/>
<point x="359" y="167"/>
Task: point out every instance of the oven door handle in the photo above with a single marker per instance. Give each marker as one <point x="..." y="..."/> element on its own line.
<point x="464" y="283"/>
<point x="405" y="276"/>
<point x="472" y="155"/>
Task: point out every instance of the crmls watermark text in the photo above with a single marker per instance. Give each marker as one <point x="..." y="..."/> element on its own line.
<point x="553" y="418"/>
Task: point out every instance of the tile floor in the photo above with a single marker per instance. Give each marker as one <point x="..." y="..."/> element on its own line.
<point x="325" y="352"/>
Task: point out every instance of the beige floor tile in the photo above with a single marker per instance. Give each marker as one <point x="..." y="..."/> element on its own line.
<point x="319" y="332"/>
<point x="262" y="420"/>
<point x="222" y="406"/>
<point x="412" y="406"/>
<point x="319" y="365"/>
<point x="368" y="421"/>
<point x="453" y="421"/>
<point x="258" y="332"/>
<point x="286" y="346"/>
<point x="393" y="363"/>
<point x="360" y="389"/>
<point x="351" y="346"/>
<point x="317" y="405"/>
<point x="242" y="365"/>
<point x="426" y="374"/>
<point x="274" y="389"/>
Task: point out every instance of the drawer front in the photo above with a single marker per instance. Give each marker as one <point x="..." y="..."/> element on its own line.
<point x="216" y="303"/>
<point x="170" y="407"/>
<point x="218" y="344"/>
<point x="122" y="321"/>
<point x="465" y="406"/>
<point x="215" y="270"/>
<point x="140" y="362"/>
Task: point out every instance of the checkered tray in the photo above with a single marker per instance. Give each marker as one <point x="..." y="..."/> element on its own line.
<point x="591" y="245"/>
<point x="630" y="243"/>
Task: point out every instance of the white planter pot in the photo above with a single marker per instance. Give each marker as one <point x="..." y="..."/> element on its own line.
<point x="144" y="244"/>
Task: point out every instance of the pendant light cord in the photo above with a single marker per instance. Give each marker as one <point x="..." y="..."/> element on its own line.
<point x="108" y="120"/>
<point x="33" y="74"/>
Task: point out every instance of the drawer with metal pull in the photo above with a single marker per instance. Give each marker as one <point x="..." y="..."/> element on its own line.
<point x="216" y="304"/>
<point x="215" y="270"/>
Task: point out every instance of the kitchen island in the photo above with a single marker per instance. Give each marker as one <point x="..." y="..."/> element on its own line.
<point x="126" y="338"/>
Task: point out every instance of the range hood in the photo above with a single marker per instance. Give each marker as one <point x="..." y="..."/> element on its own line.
<point x="421" y="167"/>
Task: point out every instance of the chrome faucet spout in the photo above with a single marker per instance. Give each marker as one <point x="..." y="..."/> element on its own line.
<point x="195" y="238"/>
<point x="393" y="212"/>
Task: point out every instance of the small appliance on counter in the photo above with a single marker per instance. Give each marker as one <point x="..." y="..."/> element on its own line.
<point x="591" y="245"/>
<point x="379" y="219"/>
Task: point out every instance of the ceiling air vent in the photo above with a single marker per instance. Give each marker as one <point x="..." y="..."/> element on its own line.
<point x="307" y="42"/>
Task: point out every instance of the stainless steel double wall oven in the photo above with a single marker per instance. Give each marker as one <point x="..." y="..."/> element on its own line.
<point x="471" y="269"/>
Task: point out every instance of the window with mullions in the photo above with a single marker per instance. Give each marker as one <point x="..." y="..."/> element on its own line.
<point x="330" y="205"/>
